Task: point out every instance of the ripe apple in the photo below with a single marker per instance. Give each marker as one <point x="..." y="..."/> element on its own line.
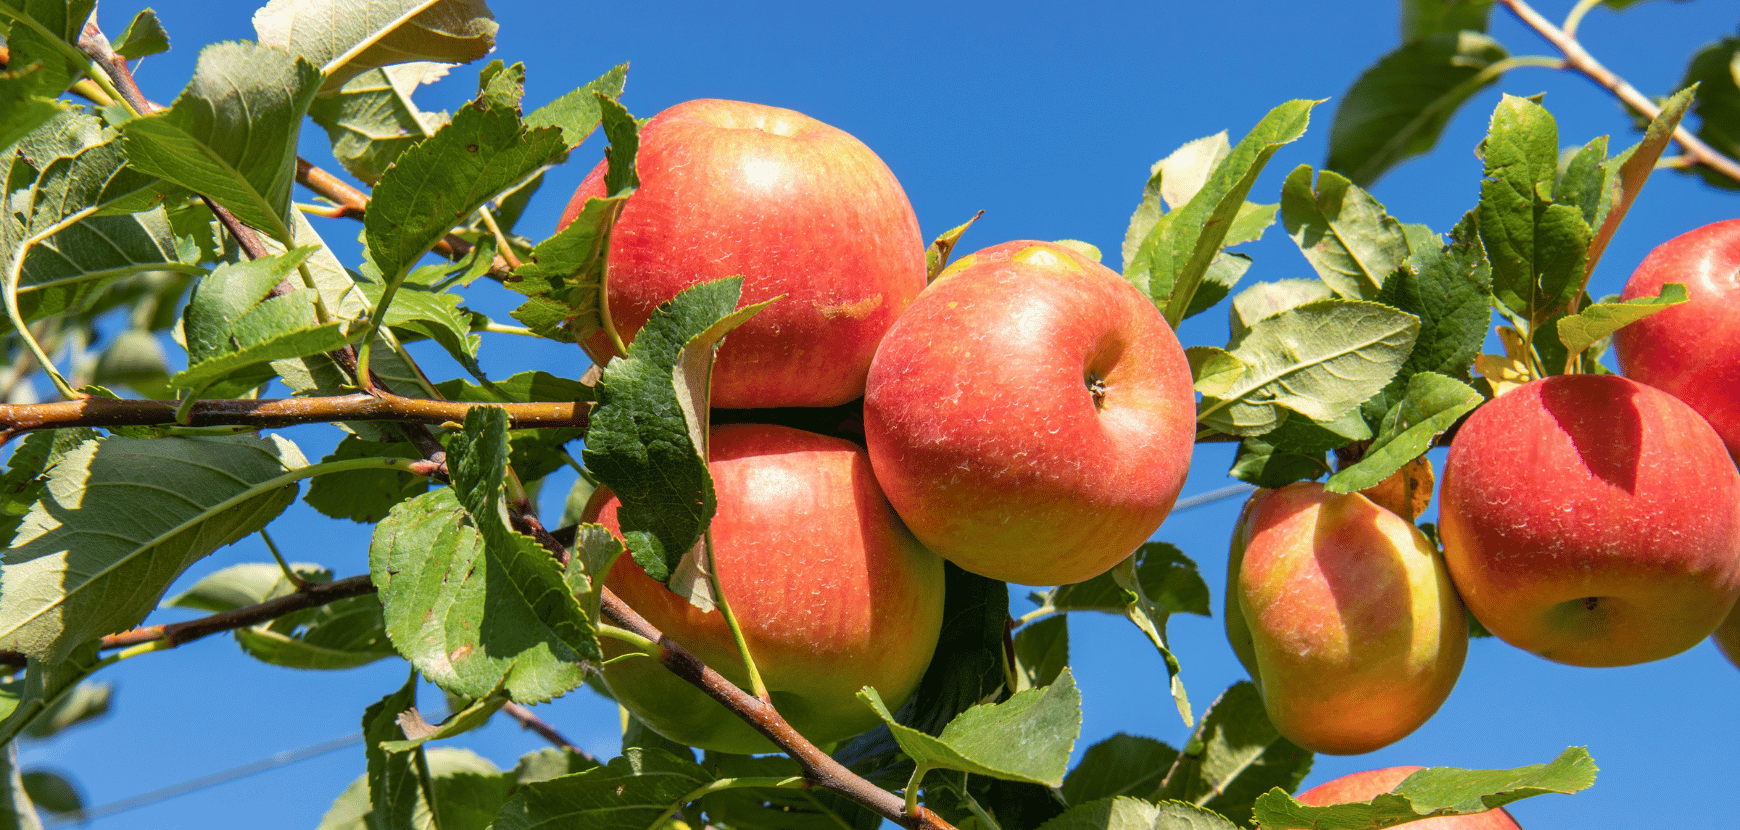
<point x="1031" y="416"/>
<point x="1592" y="520"/>
<point x="1364" y="786"/>
<point x="1691" y="351"/>
<point x="833" y="594"/>
<point x="794" y="206"/>
<point x="1345" y="616"/>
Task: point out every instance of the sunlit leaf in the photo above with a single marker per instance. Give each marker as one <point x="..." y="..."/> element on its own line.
<point x="345" y="38"/>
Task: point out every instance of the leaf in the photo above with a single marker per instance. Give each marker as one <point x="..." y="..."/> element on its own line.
<point x="365" y="496"/>
<point x="346" y="38"/>
<point x="1179" y="248"/>
<point x="43" y="687"/>
<point x="53" y="792"/>
<point x="467" y="600"/>
<point x="1429" y="17"/>
<point x="1343" y="232"/>
<point x="1635" y="165"/>
<point x="25" y="103"/>
<point x="579" y="112"/>
<point x="1718" y="101"/>
<point x="394" y="790"/>
<point x="371" y="118"/>
<point x="1171" y="183"/>
<point x="1122" y="813"/>
<point x="418" y="731"/>
<point x="143" y="36"/>
<point x="417" y="312"/>
<point x="469" y="790"/>
<point x="338" y="635"/>
<point x="1267" y="299"/>
<point x="16" y="810"/>
<point x="233" y="329"/>
<point x="22" y="484"/>
<point x="1431" y="405"/>
<point x="1123" y="764"/>
<point x="1438" y="791"/>
<point x="1168" y="578"/>
<point x="1397" y="109"/>
<point x="1536" y="246"/>
<point x="936" y="257"/>
<point x="1025" y="738"/>
<point x="647" y="435"/>
<point x="1235" y="756"/>
<point x="1041" y="652"/>
<point x="441" y="180"/>
<point x="1320" y="359"/>
<point x="122" y="518"/>
<point x="1449" y="287"/>
<point x="1294" y="450"/>
<point x="629" y="793"/>
<point x="82" y="702"/>
<point x="1213" y="370"/>
<point x="768" y="808"/>
<point x="47" y="31"/>
<point x="231" y="134"/>
<point x="1583" y="329"/>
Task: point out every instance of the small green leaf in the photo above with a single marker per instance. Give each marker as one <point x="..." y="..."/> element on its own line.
<point x="81" y="703"/>
<point x="579" y="112"/>
<point x="1537" y="246"/>
<point x="394" y="790"/>
<point x="1171" y="183"/>
<point x="231" y="134"/>
<point x="1583" y="329"/>
<point x="25" y="104"/>
<point x="365" y="496"/>
<point x="1294" y="450"/>
<point x="233" y="329"/>
<point x="936" y="257"/>
<point x="1430" y="406"/>
<point x="143" y="36"/>
<point x="1397" y="109"/>
<point x="345" y="38"/>
<point x="1713" y="70"/>
<point x="469" y="791"/>
<point x="1438" y="791"/>
<point x="1421" y="18"/>
<point x="1320" y="359"/>
<point x="1041" y="652"/>
<point x="54" y="792"/>
<point x="43" y="687"/>
<point x="1343" y="232"/>
<point x="22" y="484"/>
<point x="1449" y="287"/>
<point x="1235" y="756"/>
<point x="1214" y="370"/>
<point x="1025" y="738"/>
<point x="1128" y="765"/>
<point x="1168" y="578"/>
<point x="52" y="40"/>
<point x="629" y="793"/>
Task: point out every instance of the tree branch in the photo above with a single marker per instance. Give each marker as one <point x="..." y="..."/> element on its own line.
<point x="1579" y="59"/>
<point x="528" y="720"/>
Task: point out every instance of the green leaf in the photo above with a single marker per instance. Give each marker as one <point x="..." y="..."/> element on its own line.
<point x="84" y="566"/>
<point x="647" y="438"/>
<point x="783" y="808"/>
<point x="143" y="36"/>
<point x="233" y="329"/>
<point x="1536" y="246"/>
<point x="1123" y="764"/>
<point x="629" y="793"/>
<point x="1294" y="450"/>
<point x="1320" y="359"/>
<point x="47" y="31"/>
<point x="25" y="103"/>
<point x="440" y="181"/>
<point x="417" y="312"/>
<point x="1041" y="652"/>
<point x="445" y="560"/>
<point x="365" y="496"/>
<point x="1438" y="791"/>
<point x="1431" y="405"/>
<point x="1267" y="299"/>
<point x="231" y="134"/>
<point x="23" y="482"/>
<point x="1343" y="232"/>
<point x="579" y="112"/>
<point x="53" y="792"/>
<point x="1168" y="578"/>
<point x="469" y="791"/>
<point x="1714" y="70"/>
<point x="338" y="635"/>
<point x="44" y="685"/>
<point x="1171" y="183"/>
<point x="1025" y="738"/>
<point x="395" y="792"/>
<point x="936" y="256"/>
<point x="1235" y="756"/>
<point x="1583" y="329"/>
<point x="82" y="702"/>
<point x="1421" y="18"/>
<point x="550" y="762"/>
<point x="1397" y="109"/>
<point x="16" y="810"/>
<point x="1632" y="167"/>
<point x="1122" y="813"/>
<point x="346" y="38"/>
<point x="1449" y="287"/>
<point x="371" y="118"/>
<point x="419" y="732"/>
<point x="1180" y="246"/>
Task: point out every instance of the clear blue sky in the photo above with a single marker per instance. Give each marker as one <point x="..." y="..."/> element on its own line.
<point x="1046" y="116"/>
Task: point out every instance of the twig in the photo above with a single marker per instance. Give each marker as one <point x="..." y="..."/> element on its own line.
<point x="528" y="720"/>
<point x="278" y="412"/>
<point x="1579" y="59"/>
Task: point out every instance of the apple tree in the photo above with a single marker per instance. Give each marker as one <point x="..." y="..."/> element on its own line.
<point x="133" y="227"/>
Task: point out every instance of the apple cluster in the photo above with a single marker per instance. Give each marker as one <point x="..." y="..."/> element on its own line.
<point x="1028" y="415"/>
<point x="1591" y="519"/>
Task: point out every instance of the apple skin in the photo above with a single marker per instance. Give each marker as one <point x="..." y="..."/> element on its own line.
<point x="796" y="207"/>
<point x="1345" y="616"/>
<point x="1691" y="351"/>
<point x="986" y="430"/>
<point x="1592" y="520"/>
<point x="1364" y="786"/>
<point x="1727" y="637"/>
<point x="832" y="592"/>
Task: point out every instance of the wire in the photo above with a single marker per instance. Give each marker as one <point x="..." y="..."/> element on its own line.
<point x="1201" y="499"/>
<point x="212" y="780"/>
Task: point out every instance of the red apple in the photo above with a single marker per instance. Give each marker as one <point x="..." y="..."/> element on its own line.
<point x="832" y="592"/>
<point x="1592" y="520"/>
<point x="1031" y="416"/>
<point x="794" y="206"/>
<point x="1344" y="615"/>
<point x="1691" y="351"/>
<point x="1364" y="786"/>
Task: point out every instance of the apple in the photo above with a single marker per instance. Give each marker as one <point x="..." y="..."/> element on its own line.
<point x="795" y="207"/>
<point x="1727" y="637"/>
<point x="1364" y="786"/>
<point x="1031" y="416"/>
<point x="1691" y="351"/>
<point x="1345" y="616"/>
<point x="1592" y="520"/>
<point x="832" y="592"/>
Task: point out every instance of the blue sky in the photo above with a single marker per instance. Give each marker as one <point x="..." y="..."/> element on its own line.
<point x="1047" y="117"/>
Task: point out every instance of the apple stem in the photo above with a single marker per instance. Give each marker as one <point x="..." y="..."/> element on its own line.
<point x="756" y="686"/>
